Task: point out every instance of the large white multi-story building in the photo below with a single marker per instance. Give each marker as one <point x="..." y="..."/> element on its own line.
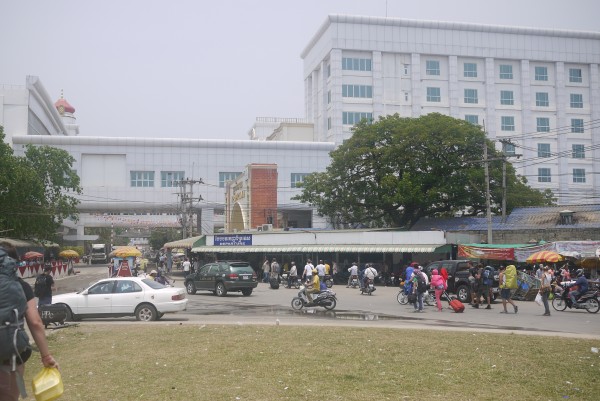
<point x="538" y="88"/>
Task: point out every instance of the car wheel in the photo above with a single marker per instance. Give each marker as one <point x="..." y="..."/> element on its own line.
<point x="71" y="317"/>
<point x="246" y="291"/>
<point x="297" y="303"/>
<point x="220" y="290"/>
<point x="402" y="298"/>
<point x="559" y="304"/>
<point x="190" y="287"/>
<point x="330" y="304"/>
<point x="462" y="293"/>
<point x="146" y="313"/>
<point x="592" y="305"/>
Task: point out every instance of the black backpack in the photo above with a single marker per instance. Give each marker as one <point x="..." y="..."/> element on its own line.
<point x="488" y="276"/>
<point x="14" y="342"/>
<point x="40" y="288"/>
<point x="421" y="283"/>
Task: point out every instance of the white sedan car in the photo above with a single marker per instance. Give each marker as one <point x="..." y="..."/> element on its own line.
<point x="123" y="296"/>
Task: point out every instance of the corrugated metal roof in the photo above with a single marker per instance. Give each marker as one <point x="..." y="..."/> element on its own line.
<point x="526" y="218"/>
<point x="318" y="248"/>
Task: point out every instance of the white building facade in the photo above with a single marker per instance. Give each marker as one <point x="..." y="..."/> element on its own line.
<point x="537" y="88"/>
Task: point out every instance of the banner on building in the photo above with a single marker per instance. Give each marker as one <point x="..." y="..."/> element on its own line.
<point x="475" y="252"/>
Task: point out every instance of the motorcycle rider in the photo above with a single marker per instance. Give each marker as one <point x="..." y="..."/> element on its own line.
<point x="370" y="274"/>
<point x="582" y="287"/>
<point x="292" y="275"/>
<point x="353" y="272"/>
<point x="314" y="287"/>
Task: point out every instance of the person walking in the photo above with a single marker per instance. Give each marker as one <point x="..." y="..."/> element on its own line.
<point x="505" y="291"/>
<point x="321" y="271"/>
<point x="292" y="275"/>
<point x="545" y="289"/>
<point x="11" y="378"/>
<point x="266" y="267"/>
<point x="186" y="267"/>
<point x="308" y="271"/>
<point x="419" y="285"/>
<point x="439" y="285"/>
<point x="44" y="285"/>
<point x="275" y="270"/>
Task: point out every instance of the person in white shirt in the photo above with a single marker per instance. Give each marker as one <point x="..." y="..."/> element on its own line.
<point x="321" y="271"/>
<point x="186" y="267"/>
<point x="308" y="268"/>
<point x="353" y="272"/>
<point x="370" y="273"/>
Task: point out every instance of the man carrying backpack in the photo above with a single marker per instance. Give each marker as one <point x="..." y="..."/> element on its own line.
<point x="43" y="287"/>
<point x="420" y="285"/>
<point x="17" y="295"/>
<point x="486" y="285"/>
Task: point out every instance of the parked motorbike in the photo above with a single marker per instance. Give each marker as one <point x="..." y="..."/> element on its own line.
<point x="588" y="301"/>
<point x="368" y="288"/>
<point x="328" y="281"/>
<point x="295" y="282"/>
<point x="354" y="281"/>
<point x="326" y="299"/>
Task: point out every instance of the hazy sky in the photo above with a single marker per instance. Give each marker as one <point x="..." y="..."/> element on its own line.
<point x="207" y="69"/>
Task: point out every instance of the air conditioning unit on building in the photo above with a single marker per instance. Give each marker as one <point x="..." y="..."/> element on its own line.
<point x="258" y="228"/>
<point x="267" y="227"/>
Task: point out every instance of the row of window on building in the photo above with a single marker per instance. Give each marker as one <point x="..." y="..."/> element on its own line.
<point x="545" y="175"/>
<point x="470" y="70"/>
<point x="169" y="179"/>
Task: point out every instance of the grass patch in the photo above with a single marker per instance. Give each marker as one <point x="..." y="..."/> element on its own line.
<point x="232" y="362"/>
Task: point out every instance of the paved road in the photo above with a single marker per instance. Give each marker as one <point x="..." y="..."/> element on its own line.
<point x="267" y="306"/>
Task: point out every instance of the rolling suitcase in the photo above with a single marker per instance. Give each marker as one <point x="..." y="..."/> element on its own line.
<point x="274" y="283"/>
<point x="455" y="304"/>
<point x="56" y="314"/>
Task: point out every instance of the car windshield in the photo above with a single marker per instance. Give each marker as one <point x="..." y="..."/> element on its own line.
<point x="153" y="284"/>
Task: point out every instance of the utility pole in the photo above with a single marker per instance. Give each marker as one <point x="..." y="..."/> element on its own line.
<point x="186" y="201"/>
<point x="487" y="193"/>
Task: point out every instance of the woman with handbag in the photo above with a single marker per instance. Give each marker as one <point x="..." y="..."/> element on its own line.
<point x="545" y="289"/>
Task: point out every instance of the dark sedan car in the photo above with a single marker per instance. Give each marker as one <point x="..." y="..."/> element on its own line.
<point x="222" y="277"/>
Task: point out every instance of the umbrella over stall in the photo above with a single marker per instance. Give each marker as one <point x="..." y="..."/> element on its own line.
<point x="68" y="254"/>
<point x="125" y="252"/>
<point x="544" y="257"/>
<point x="32" y="255"/>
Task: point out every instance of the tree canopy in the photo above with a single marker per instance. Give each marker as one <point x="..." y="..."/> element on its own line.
<point x="392" y="172"/>
<point x="36" y="191"/>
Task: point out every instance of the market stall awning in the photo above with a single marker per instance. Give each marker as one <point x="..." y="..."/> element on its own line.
<point x="318" y="248"/>
<point x="186" y="242"/>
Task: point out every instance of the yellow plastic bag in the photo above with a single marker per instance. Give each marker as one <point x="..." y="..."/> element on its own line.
<point x="47" y="385"/>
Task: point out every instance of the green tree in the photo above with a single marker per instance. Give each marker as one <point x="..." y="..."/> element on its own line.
<point x="36" y="191"/>
<point x="394" y="171"/>
<point x="159" y="237"/>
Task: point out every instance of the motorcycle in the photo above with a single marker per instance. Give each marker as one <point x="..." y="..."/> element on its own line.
<point x="354" y="281"/>
<point x="295" y="282"/>
<point x="368" y="288"/>
<point x="587" y="301"/>
<point x="328" y="281"/>
<point x="326" y="299"/>
<point x="428" y="297"/>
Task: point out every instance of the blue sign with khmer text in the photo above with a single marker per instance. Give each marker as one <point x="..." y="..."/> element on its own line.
<point x="233" y="240"/>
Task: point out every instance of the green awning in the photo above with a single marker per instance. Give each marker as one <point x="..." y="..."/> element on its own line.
<point x="186" y="242"/>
